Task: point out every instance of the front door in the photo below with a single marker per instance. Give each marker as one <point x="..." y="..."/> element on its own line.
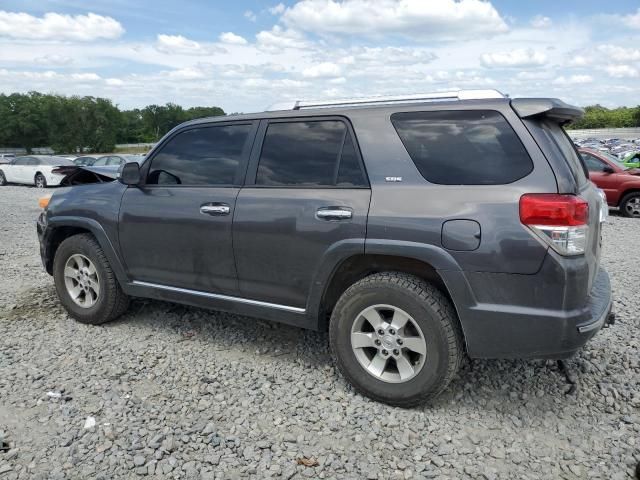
<point x="306" y="194"/>
<point x="175" y="228"/>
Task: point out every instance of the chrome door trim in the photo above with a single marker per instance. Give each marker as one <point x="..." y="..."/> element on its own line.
<point x="334" y="213"/>
<point x="218" y="296"/>
<point x="215" y="209"/>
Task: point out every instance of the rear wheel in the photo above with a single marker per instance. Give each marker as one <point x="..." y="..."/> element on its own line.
<point x="3" y="179"/>
<point x="85" y="282"/>
<point x="630" y="205"/>
<point x="40" y="181"/>
<point x="396" y="338"/>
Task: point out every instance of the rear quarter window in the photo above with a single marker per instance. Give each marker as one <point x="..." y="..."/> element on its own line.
<point x="475" y="147"/>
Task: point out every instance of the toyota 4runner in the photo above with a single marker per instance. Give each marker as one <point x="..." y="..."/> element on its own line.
<point x="415" y="229"/>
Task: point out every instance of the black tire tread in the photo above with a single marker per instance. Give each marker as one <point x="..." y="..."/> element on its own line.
<point x="422" y="291"/>
<point x="117" y="300"/>
<point x="623" y="202"/>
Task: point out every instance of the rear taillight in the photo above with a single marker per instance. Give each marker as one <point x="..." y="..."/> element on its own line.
<point x="559" y="220"/>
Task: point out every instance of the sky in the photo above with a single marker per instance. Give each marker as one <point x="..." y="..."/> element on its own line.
<point x="246" y="55"/>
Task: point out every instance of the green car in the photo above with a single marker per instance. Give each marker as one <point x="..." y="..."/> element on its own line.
<point x="632" y="160"/>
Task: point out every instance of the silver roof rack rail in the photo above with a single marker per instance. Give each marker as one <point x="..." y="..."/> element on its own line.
<point x="391" y="99"/>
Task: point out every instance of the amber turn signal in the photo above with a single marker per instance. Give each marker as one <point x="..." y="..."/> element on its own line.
<point x="44" y="201"/>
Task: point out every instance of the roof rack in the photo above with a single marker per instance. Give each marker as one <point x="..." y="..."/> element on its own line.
<point x="392" y="99"/>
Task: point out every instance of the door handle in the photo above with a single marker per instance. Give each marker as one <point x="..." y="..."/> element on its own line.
<point x="215" y="209"/>
<point x="334" y="213"/>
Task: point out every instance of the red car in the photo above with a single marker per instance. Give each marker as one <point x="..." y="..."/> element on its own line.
<point x="621" y="184"/>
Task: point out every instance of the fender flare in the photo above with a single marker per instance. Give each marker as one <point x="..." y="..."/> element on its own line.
<point x="101" y="236"/>
<point x="442" y="261"/>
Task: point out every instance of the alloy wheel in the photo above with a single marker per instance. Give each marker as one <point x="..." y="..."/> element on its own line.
<point x="632" y="206"/>
<point x="81" y="280"/>
<point x="388" y="343"/>
<point x="40" y="181"/>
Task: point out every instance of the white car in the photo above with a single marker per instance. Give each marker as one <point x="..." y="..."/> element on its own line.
<point x="33" y="170"/>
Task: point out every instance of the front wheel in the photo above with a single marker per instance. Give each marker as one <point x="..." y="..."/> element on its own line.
<point x="40" y="181"/>
<point x="396" y="338"/>
<point x="630" y="205"/>
<point x="85" y="283"/>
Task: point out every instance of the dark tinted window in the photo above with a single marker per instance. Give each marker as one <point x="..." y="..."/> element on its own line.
<point x="32" y="161"/>
<point x="593" y="164"/>
<point x="463" y="148"/>
<point x="21" y="161"/>
<point x="350" y="171"/>
<point x="309" y="154"/>
<point x="200" y="156"/>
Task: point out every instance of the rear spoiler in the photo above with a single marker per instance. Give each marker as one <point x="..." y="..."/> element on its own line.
<point x="546" y="107"/>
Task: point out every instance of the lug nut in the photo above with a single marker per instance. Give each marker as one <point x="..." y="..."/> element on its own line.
<point x="392" y="331"/>
<point x="377" y="342"/>
<point x="380" y="331"/>
<point x="384" y="352"/>
<point x="396" y="352"/>
<point x="399" y="341"/>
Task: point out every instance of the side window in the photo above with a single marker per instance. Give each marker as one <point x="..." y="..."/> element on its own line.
<point x="592" y="163"/>
<point x="20" y="161"/>
<point x="309" y="153"/>
<point x="475" y="147"/>
<point x="115" y="161"/>
<point x="100" y="162"/>
<point x="200" y="156"/>
<point x="32" y="161"/>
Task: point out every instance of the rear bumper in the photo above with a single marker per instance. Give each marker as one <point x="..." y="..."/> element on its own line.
<point x="513" y="331"/>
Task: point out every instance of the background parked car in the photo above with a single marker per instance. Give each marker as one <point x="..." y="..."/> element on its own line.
<point x="632" y="160"/>
<point x="620" y="183"/>
<point x="117" y="160"/>
<point x="84" y="160"/>
<point x="33" y="170"/>
<point x="6" y="158"/>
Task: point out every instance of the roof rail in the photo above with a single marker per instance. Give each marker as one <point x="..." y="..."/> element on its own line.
<point x="391" y="99"/>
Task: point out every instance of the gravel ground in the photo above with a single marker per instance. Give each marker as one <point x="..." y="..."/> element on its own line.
<point x="176" y="392"/>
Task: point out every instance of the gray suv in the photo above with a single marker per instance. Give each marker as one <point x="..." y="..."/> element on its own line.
<point x="416" y="230"/>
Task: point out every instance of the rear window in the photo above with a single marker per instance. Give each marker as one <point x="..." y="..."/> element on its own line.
<point x="564" y="144"/>
<point x="476" y="147"/>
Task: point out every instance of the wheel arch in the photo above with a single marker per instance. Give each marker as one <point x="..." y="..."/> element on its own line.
<point x="451" y="282"/>
<point x="61" y="228"/>
<point x="623" y="195"/>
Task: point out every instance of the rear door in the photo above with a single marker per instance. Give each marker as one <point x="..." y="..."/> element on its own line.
<point x="14" y="172"/>
<point x="607" y="181"/>
<point x="175" y="228"/>
<point x="306" y="194"/>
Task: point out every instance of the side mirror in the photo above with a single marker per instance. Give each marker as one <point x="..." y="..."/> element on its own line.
<point x="608" y="169"/>
<point x="130" y="174"/>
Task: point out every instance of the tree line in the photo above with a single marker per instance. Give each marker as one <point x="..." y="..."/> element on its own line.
<point x="85" y="124"/>
<point x="597" y="116"/>
<point x="93" y="124"/>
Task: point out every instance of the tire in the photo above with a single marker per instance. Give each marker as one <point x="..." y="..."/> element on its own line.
<point x="109" y="302"/>
<point x="432" y="323"/>
<point x="39" y="181"/>
<point x="3" y="179"/>
<point x="630" y="205"/>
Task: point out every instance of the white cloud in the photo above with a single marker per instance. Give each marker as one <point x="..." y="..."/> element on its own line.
<point x="540" y="21"/>
<point x="440" y="19"/>
<point x="620" y="54"/>
<point x="621" y="71"/>
<point x="85" y="77"/>
<point x="189" y="73"/>
<point x="515" y="58"/>
<point x="632" y="20"/>
<point x="249" y="15"/>
<point x="232" y="39"/>
<point x="278" y="38"/>
<point x="573" y="80"/>
<point x="55" y="26"/>
<point x="53" y="59"/>
<point x="277" y="9"/>
<point x="322" y="70"/>
<point x="177" y="44"/>
<point x="114" y="82"/>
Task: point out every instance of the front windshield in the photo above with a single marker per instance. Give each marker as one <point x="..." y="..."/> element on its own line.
<point x="614" y="159"/>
